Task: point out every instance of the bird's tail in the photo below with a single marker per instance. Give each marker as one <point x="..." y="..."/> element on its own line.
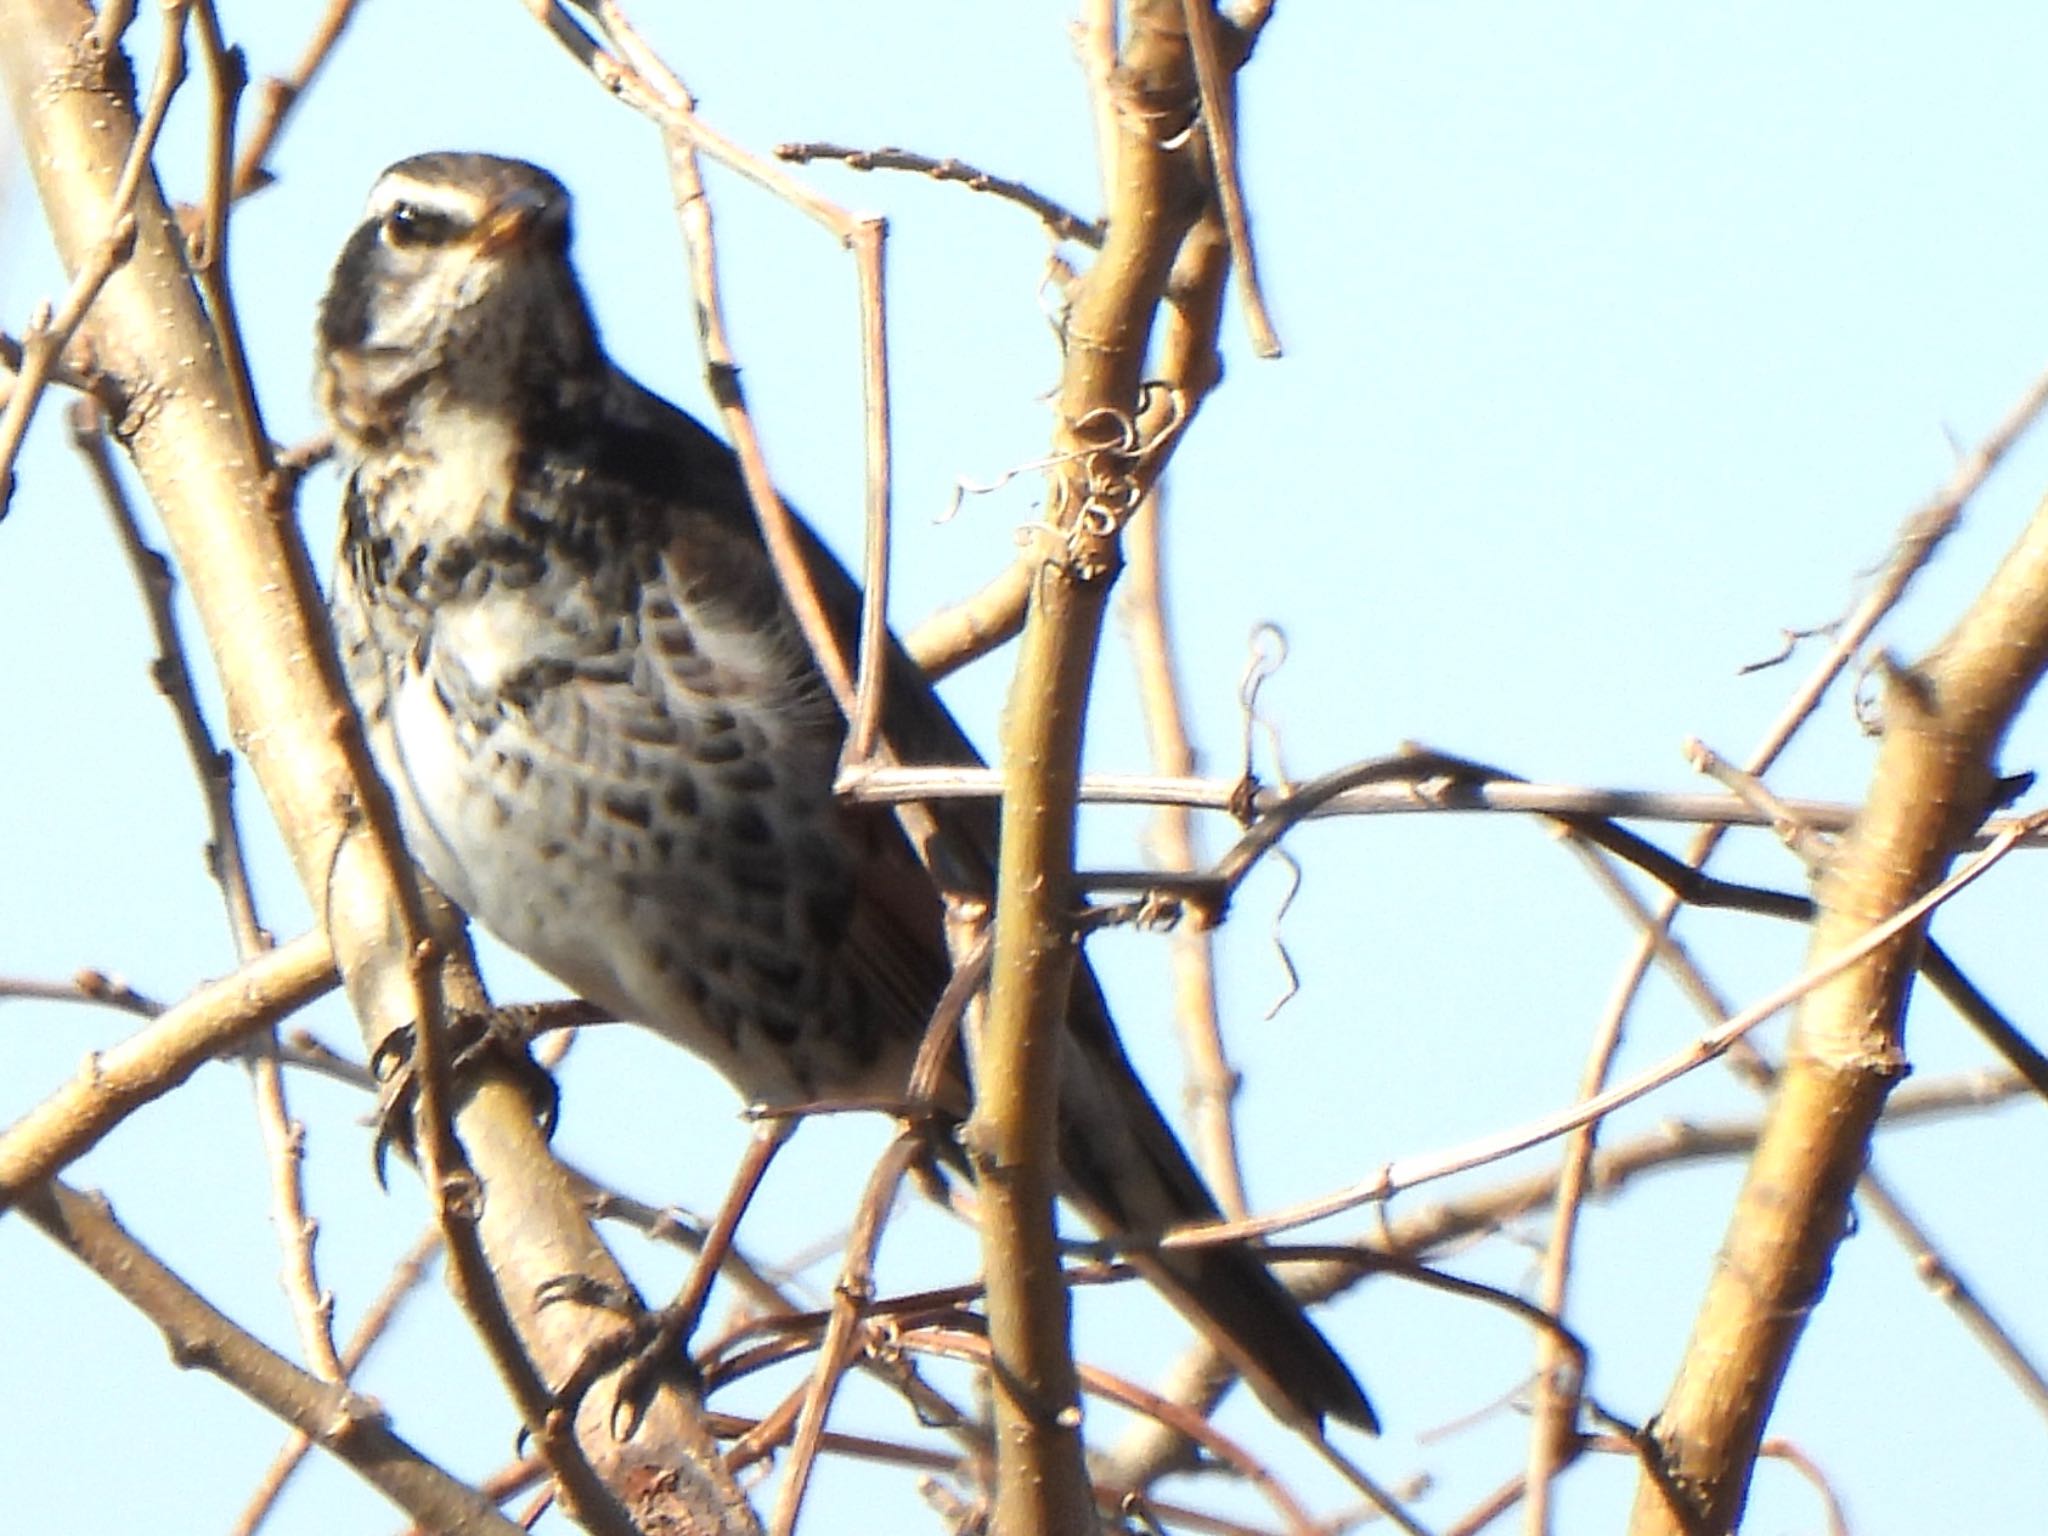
<point x="1127" y="1173"/>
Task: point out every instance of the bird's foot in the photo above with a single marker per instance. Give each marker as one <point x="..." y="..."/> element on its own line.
<point x="644" y="1352"/>
<point x="480" y="1041"/>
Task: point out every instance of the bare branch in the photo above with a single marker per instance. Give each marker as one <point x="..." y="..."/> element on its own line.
<point x="340" y="1420"/>
<point x="1935" y="776"/>
<point x="116" y="1083"/>
<point x="1407" y="1173"/>
<point x="406" y="1277"/>
<point x="280" y="94"/>
<point x="252" y="585"/>
<point x="1061" y="222"/>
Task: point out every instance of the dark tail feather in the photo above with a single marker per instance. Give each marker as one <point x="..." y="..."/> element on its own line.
<point x="1244" y="1310"/>
<point x="1127" y="1172"/>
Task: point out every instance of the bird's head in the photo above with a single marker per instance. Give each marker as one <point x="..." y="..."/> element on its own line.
<point x="455" y="291"/>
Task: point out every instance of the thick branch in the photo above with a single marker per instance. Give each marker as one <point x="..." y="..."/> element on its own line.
<point x="1944" y="720"/>
<point x="1155" y="193"/>
<point x="157" y="1058"/>
<point x="253" y="587"/>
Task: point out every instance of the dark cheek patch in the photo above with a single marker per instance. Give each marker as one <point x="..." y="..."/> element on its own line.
<point x="345" y="314"/>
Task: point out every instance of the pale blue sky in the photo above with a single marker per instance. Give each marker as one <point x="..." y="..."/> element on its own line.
<point x="1618" y="337"/>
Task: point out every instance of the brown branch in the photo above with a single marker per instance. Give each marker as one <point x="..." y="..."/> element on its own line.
<point x="659" y="92"/>
<point x="406" y="1277"/>
<point x="864" y="730"/>
<point x="1155" y="193"/>
<point x="43" y="342"/>
<point x="172" y="675"/>
<point x="1407" y="784"/>
<point x="227" y="74"/>
<point x="1935" y="776"/>
<point x="280" y="94"/>
<point x="1408" y="1172"/>
<point x="667" y="1224"/>
<point x="1212" y="1082"/>
<point x="663" y="97"/>
<point x="629" y="70"/>
<point x="88" y="986"/>
<point x="1559" y="1376"/>
<point x="284" y="1143"/>
<point x="1061" y="221"/>
<point x="971" y="628"/>
<point x="252" y="585"/>
<point x="340" y="1420"/>
<point x="1095" y="45"/>
<point x="1831" y="1507"/>
<point x="846" y="1323"/>
<point x="1109" y="1498"/>
<point x="1217" y="76"/>
<point x="1199" y="1377"/>
<point x="959" y="1344"/>
<point x="1954" y="1291"/>
<point x="857" y="1276"/>
<point x="157" y="1058"/>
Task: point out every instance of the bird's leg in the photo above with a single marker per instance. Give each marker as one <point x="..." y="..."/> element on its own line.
<point x="498" y="1036"/>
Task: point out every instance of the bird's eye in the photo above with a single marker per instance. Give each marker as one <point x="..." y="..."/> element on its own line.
<point x="408" y="224"/>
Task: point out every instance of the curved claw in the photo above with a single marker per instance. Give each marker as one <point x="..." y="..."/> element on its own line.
<point x="391" y="1064"/>
<point x="476" y="1038"/>
<point x="645" y="1348"/>
<point x="655" y="1352"/>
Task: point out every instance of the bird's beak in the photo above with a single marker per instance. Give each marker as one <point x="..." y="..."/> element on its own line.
<point x="507" y="224"/>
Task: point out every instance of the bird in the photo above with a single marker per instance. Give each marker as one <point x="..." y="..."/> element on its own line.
<point x="610" y="745"/>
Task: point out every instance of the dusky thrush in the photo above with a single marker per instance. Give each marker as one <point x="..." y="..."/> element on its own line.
<point x="610" y="744"/>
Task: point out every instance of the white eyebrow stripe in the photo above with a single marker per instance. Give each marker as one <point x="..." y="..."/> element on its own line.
<point x="396" y="188"/>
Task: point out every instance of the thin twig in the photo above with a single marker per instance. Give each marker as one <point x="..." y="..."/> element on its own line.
<point x="407" y="1275"/>
<point x="1560" y="1380"/>
<point x="1096" y="45"/>
<point x="857" y="1277"/>
<point x="1780" y="1449"/>
<point x="1806" y="841"/>
<point x="671" y="104"/>
<point x="974" y="1348"/>
<point x="88" y="986"/>
<point x="227" y="73"/>
<point x="46" y="337"/>
<point x="1406" y="784"/>
<point x="631" y="70"/>
<point x="1216" y="80"/>
<point x="1407" y="1173"/>
<point x="849" y="1304"/>
<point x="1212" y="1082"/>
<point x="1062" y="221"/>
<point x="864" y="731"/>
<point x="43" y="342"/>
<point x="1429" y="1231"/>
<point x="1949" y="1286"/>
<point x="172" y="675"/>
<point x="280" y="94"/>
